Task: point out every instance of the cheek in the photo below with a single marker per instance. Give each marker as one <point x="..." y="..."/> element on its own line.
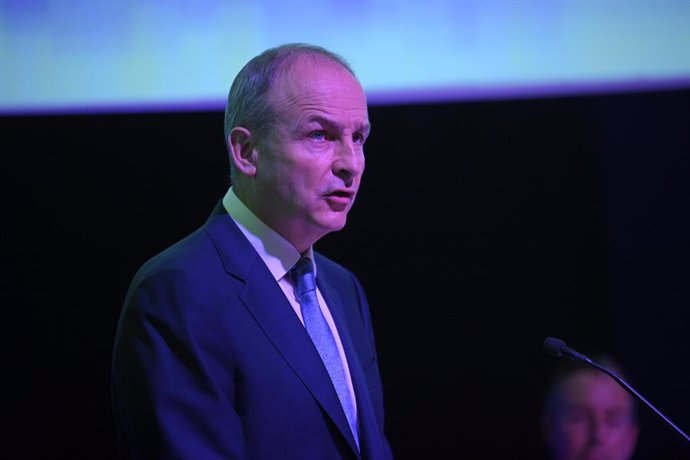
<point x="573" y="435"/>
<point x="623" y="435"/>
<point x="314" y="175"/>
<point x="287" y="175"/>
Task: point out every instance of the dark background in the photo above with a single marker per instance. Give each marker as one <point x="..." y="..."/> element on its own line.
<point x="480" y="229"/>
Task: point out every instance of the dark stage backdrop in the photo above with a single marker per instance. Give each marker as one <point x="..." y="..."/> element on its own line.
<point x="480" y="229"/>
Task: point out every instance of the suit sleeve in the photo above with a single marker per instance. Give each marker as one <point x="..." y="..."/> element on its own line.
<point x="173" y="389"/>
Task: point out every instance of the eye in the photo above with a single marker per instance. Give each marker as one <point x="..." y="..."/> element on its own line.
<point x="575" y="416"/>
<point x="358" y="138"/>
<point x="615" y="419"/>
<point x="319" y="135"/>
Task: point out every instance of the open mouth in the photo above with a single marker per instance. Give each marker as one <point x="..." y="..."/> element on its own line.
<point x="341" y="194"/>
<point x="339" y="200"/>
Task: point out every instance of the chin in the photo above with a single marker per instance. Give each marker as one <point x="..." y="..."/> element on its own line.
<point x="333" y="223"/>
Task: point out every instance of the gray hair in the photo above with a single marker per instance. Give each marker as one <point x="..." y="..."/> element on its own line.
<point x="248" y="105"/>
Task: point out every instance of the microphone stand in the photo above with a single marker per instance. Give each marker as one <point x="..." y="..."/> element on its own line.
<point x="558" y="348"/>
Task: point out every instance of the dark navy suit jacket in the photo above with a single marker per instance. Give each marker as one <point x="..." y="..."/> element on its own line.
<point x="211" y="362"/>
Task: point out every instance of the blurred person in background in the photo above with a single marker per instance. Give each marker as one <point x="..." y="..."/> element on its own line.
<point x="587" y="415"/>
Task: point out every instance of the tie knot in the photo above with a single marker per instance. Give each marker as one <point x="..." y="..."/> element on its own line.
<point x="303" y="276"/>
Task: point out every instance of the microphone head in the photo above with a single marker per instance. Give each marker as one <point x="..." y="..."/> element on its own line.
<point x="554" y="346"/>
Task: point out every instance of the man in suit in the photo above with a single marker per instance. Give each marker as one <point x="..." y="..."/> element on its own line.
<point x="216" y="354"/>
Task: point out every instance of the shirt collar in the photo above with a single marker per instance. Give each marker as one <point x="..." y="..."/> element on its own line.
<point x="276" y="252"/>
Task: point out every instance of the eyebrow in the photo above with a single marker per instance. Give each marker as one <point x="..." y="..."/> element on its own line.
<point x="363" y="128"/>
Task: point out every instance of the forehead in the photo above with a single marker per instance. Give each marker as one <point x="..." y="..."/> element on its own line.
<point x="317" y="84"/>
<point x="588" y="389"/>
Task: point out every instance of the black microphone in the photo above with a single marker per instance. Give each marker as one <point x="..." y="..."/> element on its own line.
<point x="558" y="348"/>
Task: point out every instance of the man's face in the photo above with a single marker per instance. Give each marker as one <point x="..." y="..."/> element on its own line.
<point x="310" y="166"/>
<point x="592" y="420"/>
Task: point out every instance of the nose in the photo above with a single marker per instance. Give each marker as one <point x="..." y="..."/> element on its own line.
<point x="597" y="431"/>
<point x="349" y="161"/>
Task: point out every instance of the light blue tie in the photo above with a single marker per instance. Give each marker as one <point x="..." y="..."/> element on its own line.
<point x="320" y="333"/>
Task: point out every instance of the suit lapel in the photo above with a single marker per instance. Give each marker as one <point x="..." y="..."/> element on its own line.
<point x="275" y="316"/>
<point x="366" y="419"/>
<point x="266" y="302"/>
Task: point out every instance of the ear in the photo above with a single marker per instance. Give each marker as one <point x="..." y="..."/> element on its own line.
<point x="242" y="152"/>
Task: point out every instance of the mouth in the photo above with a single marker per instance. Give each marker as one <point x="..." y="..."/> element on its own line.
<point x="339" y="200"/>
<point x="341" y="194"/>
